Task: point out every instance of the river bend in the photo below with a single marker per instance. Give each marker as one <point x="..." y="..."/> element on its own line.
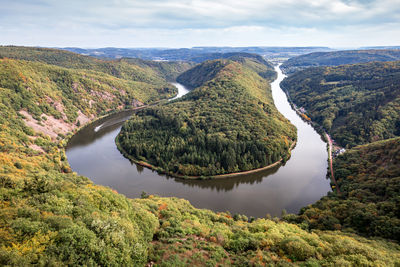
<point x="301" y="181"/>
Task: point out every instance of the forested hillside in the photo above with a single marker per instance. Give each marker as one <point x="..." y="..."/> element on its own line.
<point x="201" y="73"/>
<point x="369" y="180"/>
<point x="337" y="58"/>
<point x="50" y="216"/>
<point x="356" y="104"/>
<point x="227" y="124"/>
<point x="129" y="69"/>
<point x="169" y="70"/>
<point x="42" y="89"/>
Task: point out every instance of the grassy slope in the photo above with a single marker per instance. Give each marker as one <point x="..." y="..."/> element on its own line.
<point x="50" y="216"/>
<point x="369" y="179"/>
<point x="337" y="58"/>
<point x="227" y="124"/>
<point x="356" y="104"/>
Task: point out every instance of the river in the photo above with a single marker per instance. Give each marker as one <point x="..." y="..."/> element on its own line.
<point x="301" y="181"/>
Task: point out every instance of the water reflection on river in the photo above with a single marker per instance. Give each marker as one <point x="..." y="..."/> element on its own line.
<point x="300" y="182"/>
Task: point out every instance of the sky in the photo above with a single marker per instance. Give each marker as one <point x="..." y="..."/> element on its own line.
<point x="188" y="23"/>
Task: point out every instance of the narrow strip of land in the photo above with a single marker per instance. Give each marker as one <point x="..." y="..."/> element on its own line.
<point x="331" y="163"/>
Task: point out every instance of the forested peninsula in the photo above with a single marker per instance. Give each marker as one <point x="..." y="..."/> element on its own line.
<point x="227" y="124"/>
<point x="50" y="216"/>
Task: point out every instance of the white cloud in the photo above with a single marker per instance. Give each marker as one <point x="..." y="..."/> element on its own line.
<point x="199" y="22"/>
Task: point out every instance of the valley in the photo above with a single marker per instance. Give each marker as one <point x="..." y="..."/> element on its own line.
<point x="51" y="215"/>
<point x="175" y="133"/>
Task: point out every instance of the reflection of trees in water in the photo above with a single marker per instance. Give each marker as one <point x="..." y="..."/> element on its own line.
<point x="227" y="184"/>
<point x="139" y="168"/>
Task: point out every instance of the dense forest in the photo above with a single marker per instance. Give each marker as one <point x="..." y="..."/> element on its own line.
<point x="337" y="58"/>
<point x="369" y="180"/>
<point x="50" y="216"/>
<point x="356" y="104"/>
<point x="227" y="124"/>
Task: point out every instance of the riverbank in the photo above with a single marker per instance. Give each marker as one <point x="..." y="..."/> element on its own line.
<point x="324" y="136"/>
<point x="331" y="164"/>
<point x="64" y="141"/>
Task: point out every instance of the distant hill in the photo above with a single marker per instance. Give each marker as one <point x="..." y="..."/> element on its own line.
<point x="369" y="180"/>
<point x="228" y="123"/>
<point x="337" y="58"/>
<point x="380" y="47"/>
<point x="356" y="104"/>
<point x="195" y="54"/>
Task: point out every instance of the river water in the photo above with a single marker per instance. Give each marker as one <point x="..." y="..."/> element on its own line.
<point x="301" y="181"/>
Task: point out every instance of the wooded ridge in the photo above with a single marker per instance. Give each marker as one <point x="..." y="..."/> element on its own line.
<point x="227" y="124"/>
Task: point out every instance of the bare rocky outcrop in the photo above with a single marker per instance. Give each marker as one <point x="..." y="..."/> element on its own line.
<point x="103" y="95"/>
<point x="36" y="148"/>
<point x="136" y="103"/>
<point x="51" y="126"/>
<point x="91" y="102"/>
<point x="82" y="118"/>
<point x="75" y="87"/>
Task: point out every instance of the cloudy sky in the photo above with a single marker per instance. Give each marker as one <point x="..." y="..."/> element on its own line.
<point x="187" y="23"/>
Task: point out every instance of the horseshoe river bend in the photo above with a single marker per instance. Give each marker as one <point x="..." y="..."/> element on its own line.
<point x="301" y="181"/>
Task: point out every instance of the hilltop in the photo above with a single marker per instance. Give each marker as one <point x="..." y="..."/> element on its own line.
<point x="202" y="73"/>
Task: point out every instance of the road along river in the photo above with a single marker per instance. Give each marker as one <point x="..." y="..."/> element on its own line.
<point x="301" y="181"/>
